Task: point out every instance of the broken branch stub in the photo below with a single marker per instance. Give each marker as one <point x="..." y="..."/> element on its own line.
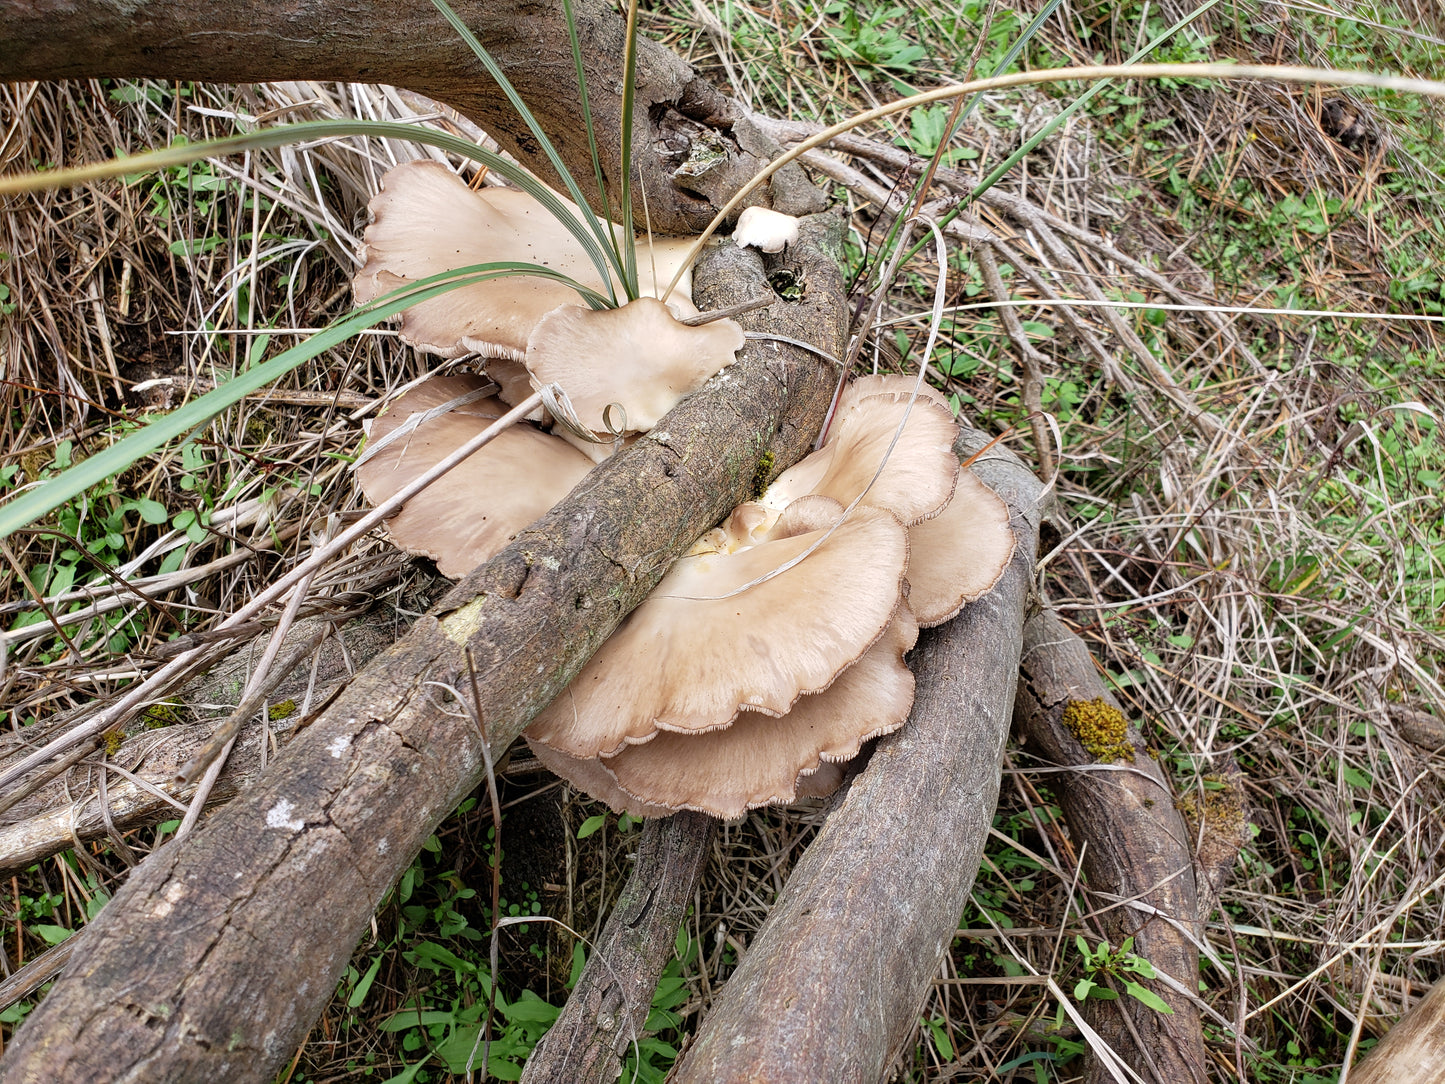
<point x="832" y="983"/>
<point x="213" y="960"/>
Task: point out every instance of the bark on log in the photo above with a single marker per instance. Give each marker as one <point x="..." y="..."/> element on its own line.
<point x="214" y="959"/>
<point x="693" y="146"/>
<point x="1413" y="1051"/>
<point x="608" y="1008"/>
<point x="831" y="985"/>
<point x="1136" y="847"/>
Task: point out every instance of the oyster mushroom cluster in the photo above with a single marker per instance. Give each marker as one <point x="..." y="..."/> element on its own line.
<point x="621" y="368"/>
<point x="770" y="653"/>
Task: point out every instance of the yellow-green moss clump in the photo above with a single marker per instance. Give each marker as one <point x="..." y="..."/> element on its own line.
<point x="166" y="713"/>
<point x="761" y="473"/>
<point x="1222" y="809"/>
<point x="282" y="710"/>
<point x="1101" y="729"/>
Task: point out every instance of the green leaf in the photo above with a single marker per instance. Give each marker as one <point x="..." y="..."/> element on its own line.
<point x="1082" y="989"/>
<point x="364" y="986"/>
<point x="52" y="935"/>
<point x="1147" y="997"/>
<point x="152" y="512"/>
<point x="412" y="1018"/>
<point x="407" y="1075"/>
<point x="590" y="825"/>
<point x="940" y="1040"/>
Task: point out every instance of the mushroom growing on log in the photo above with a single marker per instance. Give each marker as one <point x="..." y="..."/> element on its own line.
<point x="776" y="648"/>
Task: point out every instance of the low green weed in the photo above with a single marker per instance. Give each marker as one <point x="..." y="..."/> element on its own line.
<point x="1103" y="964"/>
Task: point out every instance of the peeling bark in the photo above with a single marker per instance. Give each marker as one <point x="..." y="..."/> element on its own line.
<point x="831" y="985"/>
<point x="213" y="960"/>
<point x="693" y="147"/>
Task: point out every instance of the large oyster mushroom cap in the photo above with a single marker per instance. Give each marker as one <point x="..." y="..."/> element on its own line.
<point x="958" y="555"/>
<point x="722" y="633"/>
<point x="427" y="221"/>
<point x="759" y="759"/>
<point x="638" y="356"/>
<point x="474" y="510"/>
<point x="918" y="476"/>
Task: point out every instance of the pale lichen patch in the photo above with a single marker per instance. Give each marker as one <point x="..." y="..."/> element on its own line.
<point x="279" y="816"/>
<point x="172" y="895"/>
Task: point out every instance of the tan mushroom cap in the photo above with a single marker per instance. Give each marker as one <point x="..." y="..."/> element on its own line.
<point x="589" y="776"/>
<point x="958" y="555"/>
<point x="918" y="477"/>
<point x="638" y="356"/>
<point x="823" y="782"/>
<point x="759" y="759"/>
<point x="864" y="387"/>
<point x="694" y="654"/>
<point x="427" y="221"/>
<point x="473" y="511"/>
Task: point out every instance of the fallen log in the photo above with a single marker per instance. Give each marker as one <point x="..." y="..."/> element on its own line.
<point x="1136" y="855"/>
<point x="608" y="1008"/>
<point x="831" y="985"/>
<point x="693" y="147"/>
<point x="213" y="960"/>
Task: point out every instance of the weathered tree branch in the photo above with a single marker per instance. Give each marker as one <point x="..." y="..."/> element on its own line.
<point x="608" y="1008"/>
<point x="693" y="148"/>
<point x="832" y="984"/>
<point x="1413" y="1051"/>
<point x="1136" y="850"/>
<point x="214" y="959"/>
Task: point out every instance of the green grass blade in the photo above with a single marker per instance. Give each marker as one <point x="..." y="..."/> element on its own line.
<point x="587" y="118"/>
<point x="288" y="134"/>
<point x="1008" y="58"/>
<point x="45" y="498"/>
<point x="629" y="79"/>
<point x="495" y="71"/>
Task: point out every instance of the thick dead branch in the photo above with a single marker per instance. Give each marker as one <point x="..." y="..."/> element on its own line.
<point x="214" y="959"/>
<point x="694" y="147"/>
<point x="832" y="984"/>
<point x="1136" y="849"/>
<point x="1413" y="1051"/>
<point x="608" y="1007"/>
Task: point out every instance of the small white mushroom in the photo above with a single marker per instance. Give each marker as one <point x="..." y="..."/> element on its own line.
<point x="770" y="231"/>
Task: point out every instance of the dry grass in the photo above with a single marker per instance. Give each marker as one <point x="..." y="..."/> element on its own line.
<point x="1254" y="554"/>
